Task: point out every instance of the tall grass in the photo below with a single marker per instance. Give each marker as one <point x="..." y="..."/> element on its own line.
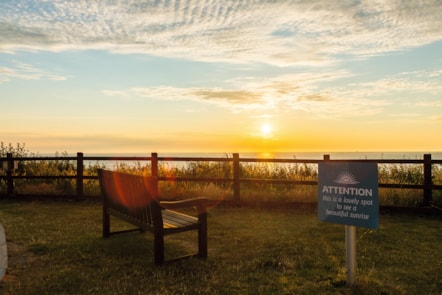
<point x="388" y="173"/>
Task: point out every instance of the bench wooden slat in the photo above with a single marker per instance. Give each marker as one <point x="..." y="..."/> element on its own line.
<point x="134" y="199"/>
<point x="176" y="219"/>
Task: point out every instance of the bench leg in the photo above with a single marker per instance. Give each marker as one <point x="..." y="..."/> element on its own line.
<point x="202" y="236"/>
<point x="159" y="248"/>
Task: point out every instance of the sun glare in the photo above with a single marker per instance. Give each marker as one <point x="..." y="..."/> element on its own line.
<point x="266" y="129"/>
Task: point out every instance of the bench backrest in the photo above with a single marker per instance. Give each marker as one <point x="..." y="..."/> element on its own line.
<point x="132" y="195"/>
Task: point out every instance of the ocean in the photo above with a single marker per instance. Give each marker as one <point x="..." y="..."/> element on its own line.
<point x="278" y="155"/>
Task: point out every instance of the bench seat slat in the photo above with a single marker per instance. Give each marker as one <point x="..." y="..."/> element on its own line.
<point x="173" y="219"/>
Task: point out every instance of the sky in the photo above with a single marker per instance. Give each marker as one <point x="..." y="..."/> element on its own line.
<point x="109" y="76"/>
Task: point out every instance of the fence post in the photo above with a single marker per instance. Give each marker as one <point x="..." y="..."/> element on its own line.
<point x="236" y="172"/>
<point x="80" y="191"/>
<point x="9" y="172"/>
<point x="326" y="157"/>
<point x="154" y="164"/>
<point x="428" y="181"/>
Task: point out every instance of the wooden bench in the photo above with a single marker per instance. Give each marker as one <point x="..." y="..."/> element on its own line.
<point x="135" y="200"/>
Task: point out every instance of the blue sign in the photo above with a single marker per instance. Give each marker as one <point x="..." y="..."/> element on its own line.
<point x="348" y="193"/>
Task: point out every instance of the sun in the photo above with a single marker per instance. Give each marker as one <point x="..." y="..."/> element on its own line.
<point x="266" y="129"/>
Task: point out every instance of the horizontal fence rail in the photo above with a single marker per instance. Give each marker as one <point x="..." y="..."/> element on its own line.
<point x="9" y="165"/>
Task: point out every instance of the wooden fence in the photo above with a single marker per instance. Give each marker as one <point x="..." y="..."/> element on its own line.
<point x="10" y="165"/>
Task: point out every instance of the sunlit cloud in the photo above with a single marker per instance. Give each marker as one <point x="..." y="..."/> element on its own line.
<point x="276" y="95"/>
<point x="304" y="32"/>
<point x="235" y="100"/>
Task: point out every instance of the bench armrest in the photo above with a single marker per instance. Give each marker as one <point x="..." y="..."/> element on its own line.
<point x="199" y="203"/>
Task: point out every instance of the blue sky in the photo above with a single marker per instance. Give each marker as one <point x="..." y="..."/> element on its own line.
<point x="222" y="76"/>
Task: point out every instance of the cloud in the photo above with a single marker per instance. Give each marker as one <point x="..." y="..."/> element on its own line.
<point x="24" y="71"/>
<point x="277" y="32"/>
<point x="232" y="96"/>
<point x="279" y="94"/>
<point x="424" y="82"/>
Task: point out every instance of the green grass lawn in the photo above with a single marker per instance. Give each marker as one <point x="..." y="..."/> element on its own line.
<point x="56" y="248"/>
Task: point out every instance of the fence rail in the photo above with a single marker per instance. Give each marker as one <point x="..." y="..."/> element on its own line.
<point x="10" y="165"/>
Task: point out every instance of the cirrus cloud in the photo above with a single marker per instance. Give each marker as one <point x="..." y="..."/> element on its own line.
<point x="276" y="32"/>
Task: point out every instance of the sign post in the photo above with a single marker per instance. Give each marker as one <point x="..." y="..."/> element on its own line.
<point x="348" y="194"/>
<point x="350" y="248"/>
